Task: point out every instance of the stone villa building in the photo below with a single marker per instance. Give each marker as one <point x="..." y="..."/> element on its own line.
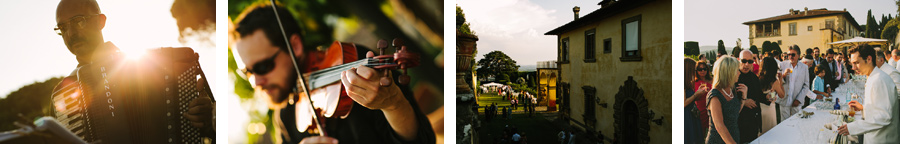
<point x="615" y="71"/>
<point x="807" y="28"/>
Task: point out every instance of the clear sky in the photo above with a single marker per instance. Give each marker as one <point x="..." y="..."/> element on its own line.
<point x="32" y="51"/>
<point x="517" y="27"/>
<point x="708" y="21"/>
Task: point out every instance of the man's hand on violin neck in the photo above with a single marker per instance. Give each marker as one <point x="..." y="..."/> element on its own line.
<point x="363" y="86"/>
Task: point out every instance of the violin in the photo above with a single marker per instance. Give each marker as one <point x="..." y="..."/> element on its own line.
<point x="324" y="93"/>
<point x="326" y="97"/>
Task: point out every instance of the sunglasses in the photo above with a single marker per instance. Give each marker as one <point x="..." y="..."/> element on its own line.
<point x="76" y="22"/>
<point x="747" y="61"/>
<point x="791" y="54"/>
<point x="702" y="69"/>
<point x="262" y="67"/>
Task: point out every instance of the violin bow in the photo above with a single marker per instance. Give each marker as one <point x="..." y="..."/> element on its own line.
<point x="301" y="80"/>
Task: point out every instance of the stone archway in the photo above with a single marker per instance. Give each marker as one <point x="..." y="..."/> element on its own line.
<point x="632" y="118"/>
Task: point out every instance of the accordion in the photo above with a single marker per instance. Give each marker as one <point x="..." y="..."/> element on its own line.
<point x="119" y="100"/>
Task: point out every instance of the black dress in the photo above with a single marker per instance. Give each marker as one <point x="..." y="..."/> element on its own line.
<point x="730" y="112"/>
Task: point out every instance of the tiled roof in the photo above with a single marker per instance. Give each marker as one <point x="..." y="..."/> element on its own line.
<point x="807" y="14"/>
<point x="598" y="15"/>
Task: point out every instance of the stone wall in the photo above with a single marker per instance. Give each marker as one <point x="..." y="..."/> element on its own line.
<point x="653" y="73"/>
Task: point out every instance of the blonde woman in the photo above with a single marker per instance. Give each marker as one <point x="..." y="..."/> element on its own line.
<point x="724" y="102"/>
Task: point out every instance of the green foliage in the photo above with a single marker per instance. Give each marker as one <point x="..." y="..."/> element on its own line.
<point x="754" y="49"/>
<point x="529" y="78"/>
<point x="721" y="47"/>
<point x="771" y="47"/>
<point x="884" y="21"/>
<point x="871" y="26"/>
<point x="897" y="2"/>
<point x="693" y="57"/>
<point x="242" y="86"/>
<point x="461" y="24"/>
<point x="890" y="30"/>
<point x="711" y="56"/>
<point x="32" y="101"/>
<point x="503" y="78"/>
<point x="524" y="88"/>
<point x="497" y="63"/>
<point x="736" y="51"/>
<point x="864" y="28"/>
<point x="691" y="48"/>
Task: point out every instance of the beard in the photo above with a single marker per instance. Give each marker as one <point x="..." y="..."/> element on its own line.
<point x="279" y="93"/>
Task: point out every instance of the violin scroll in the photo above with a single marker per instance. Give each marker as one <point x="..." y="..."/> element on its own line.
<point x="402" y="58"/>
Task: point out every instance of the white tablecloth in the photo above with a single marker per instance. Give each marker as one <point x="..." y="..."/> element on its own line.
<point x="796" y="130"/>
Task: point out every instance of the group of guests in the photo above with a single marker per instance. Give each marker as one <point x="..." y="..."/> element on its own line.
<point x="722" y="100"/>
<point x="511" y="135"/>
<point x="530" y="102"/>
<point x="490" y="112"/>
<point x="566" y="137"/>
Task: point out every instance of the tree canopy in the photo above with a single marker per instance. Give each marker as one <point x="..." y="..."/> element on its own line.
<point x="890" y="30"/>
<point x="691" y="48"/>
<point x="32" y="101"/>
<point x="721" y="47"/>
<point x="871" y="26"/>
<point x="461" y="24"/>
<point x="754" y="49"/>
<point x="736" y="51"/>
<point x="772" y="47"/>
<point x="496" y="63"/>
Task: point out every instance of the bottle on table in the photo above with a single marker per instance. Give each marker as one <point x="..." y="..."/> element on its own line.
<point x="837" y="106"/>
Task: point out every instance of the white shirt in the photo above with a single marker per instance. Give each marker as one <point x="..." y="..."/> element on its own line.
<point x="561" y="135"/>
<point x="893" y="73"/>
<point x="796" y="85"/>
<point x="879" y="122"/>
<point x="894" y="63"/>
<point x="816" y="60"/>
<point x="891" y="62"/>
<point x="572" y="138"/>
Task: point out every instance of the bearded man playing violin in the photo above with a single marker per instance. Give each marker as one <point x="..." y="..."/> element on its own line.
<point x="380" y="114"/>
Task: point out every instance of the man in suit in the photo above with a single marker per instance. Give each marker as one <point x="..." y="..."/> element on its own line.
<point x="816" y="58"/>
<point x="831" y="73"/>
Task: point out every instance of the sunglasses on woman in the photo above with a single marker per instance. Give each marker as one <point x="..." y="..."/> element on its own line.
<point x="262" y="67"/>
<point x="701" y="69"/>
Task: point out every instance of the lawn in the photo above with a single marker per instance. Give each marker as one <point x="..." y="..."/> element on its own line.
<point x="486" y="99"/>
<point x="541" y="128"/>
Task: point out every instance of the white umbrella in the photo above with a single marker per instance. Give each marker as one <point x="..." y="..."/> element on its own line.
<point x="858" y="41"/>
<point x="492" y="84"/>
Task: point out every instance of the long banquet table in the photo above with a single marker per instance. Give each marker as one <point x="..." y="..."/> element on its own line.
<point x="797" y="130"/>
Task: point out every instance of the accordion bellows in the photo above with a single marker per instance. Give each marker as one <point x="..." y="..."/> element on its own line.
<point x="120" y="100"/>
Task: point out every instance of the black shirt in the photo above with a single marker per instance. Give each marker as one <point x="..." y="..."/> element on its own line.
<point x="750" y="121"/>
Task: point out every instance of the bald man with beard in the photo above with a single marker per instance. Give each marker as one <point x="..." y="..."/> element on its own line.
<point x="80" y="23"/>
